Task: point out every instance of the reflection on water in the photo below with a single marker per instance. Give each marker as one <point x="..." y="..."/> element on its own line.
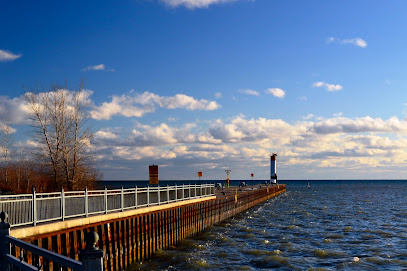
<point x="346" y="225"/>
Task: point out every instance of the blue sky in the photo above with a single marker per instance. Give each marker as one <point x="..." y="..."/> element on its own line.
<point x="208" y="85"/>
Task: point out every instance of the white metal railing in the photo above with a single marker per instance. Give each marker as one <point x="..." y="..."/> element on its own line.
<point x="30" y="209"/>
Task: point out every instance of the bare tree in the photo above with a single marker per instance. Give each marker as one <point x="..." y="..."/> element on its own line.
<point x="60" y="121"/>
<point x="6" y="142"/>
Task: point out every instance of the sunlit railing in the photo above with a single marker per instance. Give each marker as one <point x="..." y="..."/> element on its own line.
<point x="30" y="209"/>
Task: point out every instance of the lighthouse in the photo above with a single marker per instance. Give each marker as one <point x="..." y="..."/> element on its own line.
<point x="273" y="168"/>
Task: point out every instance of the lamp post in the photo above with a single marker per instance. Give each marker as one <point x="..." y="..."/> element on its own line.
<point x="227" y="173"/>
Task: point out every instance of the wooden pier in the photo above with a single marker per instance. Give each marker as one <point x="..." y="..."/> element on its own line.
<point x="133" y="236"/>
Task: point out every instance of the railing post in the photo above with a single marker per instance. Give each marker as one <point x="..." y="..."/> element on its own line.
<point x="176" y="192"/>
<point x="158" y="194"/>
<point x="86" y="202"/>
<point x="183" y="193"/>
<point x="92" y="257"/>
<point x="148" y="195"/>
<point x="195" y="190"/>
<point x="4" y="246"/>
<point x="135" y="198"/>
<point x="105" y="198"/>
<point x="168" y="194"/>
<point x="122" y="199"/>
<point x="62" y="204"/>
<point x="34" y="207"/>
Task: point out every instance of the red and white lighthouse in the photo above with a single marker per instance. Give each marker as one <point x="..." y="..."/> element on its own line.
<point x="273" y="168"/>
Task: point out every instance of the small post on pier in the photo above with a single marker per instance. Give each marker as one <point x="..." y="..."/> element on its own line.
<point x="122" y="199"/>
<point x="62" y="204"/>
<point x="158" y="194"/>
<point x="183" y="191"/>
<point x="148" y="195"/>
<point x="4" y="246"/>
<point x="86" y="202"/>
<point x="135" y="197"/>
<point x="105" y="199"/>
<point x="168" y="194"/>
<point x="34" y="206"/>
<point x="92" y="257"/>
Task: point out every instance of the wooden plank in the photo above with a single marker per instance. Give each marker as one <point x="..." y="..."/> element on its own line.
<point x="81" y="240"/>
<point x="124" y="244"/>
<point x="183" y="222"/>
<point x="155" y="231"/>
<point x="17" y="252"/>
<point x="100" y="244"/>
<point x="75" y="244"/>
<point x="128" y="243"/>
<point x="108" y="245"/>
<point x="67" y="245"/>
<point x="48" y="245"/>
<point x="148" y="236"/>
<point x="160" y="230"/>
<point x="167" y="230"/>
<point x="133" y="239"/>
<point x="174" y="227"/>
<point x="137" y="233"/>
<point x="141" y="244"/>
<point x="144" y="238"/>
<point x="115" y="252"/>
<point x="58" y="244"/>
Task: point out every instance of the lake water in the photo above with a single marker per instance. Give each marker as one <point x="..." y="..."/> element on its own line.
<point x="333" y="225"/>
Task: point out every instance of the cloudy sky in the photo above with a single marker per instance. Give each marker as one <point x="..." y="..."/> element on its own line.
<point x="209" y="85"/>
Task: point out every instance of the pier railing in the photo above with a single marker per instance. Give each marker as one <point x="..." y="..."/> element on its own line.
<point x="39" y="257"/>
<point x="30" y="209"/>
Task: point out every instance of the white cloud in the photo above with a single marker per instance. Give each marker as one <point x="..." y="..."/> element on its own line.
<point x="218" y="95"/>
<point x="249" y="92"/>
<point x="8" y="56"/>
<point x="307" y="117"/>
<point x="6" y="128"/>
<point x="14" y="110"/>
<point x="191" y="4"/>
<point x="105" y="134"/>
<point x="100" y="67"/>
<point x="154" y="136"/>
<point x="330" y="40"/>
<point x="329" y="87"/>
<point x="277" y="92"/>
<point x="358" y="125"/>
<point x="356" y="41"/>
<point x="17" y="111"/>
<point x="139" y="104"/>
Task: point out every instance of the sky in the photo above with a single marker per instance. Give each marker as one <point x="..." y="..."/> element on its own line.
<point x="209" y="85"/>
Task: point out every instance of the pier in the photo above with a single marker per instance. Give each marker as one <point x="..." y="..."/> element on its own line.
<point x="130" y="235"/>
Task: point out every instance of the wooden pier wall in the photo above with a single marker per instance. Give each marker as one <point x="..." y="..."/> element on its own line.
<point x="135" y="238"/>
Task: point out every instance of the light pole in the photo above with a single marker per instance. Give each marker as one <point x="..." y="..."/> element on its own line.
<point x="227" y="173"/>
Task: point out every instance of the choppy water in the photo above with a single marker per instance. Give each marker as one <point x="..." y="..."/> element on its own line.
<point x="341" y="225"/>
